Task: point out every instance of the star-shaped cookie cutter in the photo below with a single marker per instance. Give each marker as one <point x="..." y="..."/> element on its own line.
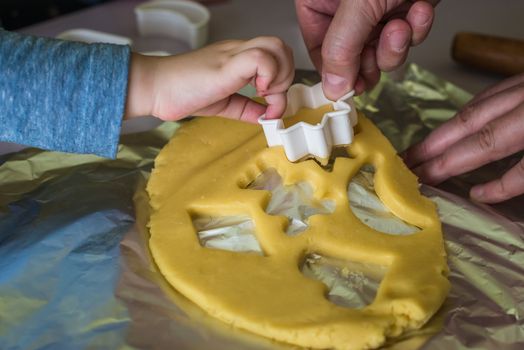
<point x="303" y="139"/>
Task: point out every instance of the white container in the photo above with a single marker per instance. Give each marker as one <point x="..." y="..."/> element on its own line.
<point x="93" y="36"/>
<point x="184" y="20"/>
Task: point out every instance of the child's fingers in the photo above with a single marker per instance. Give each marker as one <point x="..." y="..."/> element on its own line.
<point x="254" y="63"/>
<point x="283" y="84"/>
<point x="243" y="108"/>
<point x="235" y="106"/>
<point x="284" y="59"/>
<point x="276" y="105"/>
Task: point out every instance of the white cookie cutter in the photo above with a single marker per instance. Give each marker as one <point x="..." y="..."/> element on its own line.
<point x="302" y="139"/>
<point x="179" y="19"/>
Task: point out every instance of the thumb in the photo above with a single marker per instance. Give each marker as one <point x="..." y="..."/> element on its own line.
<point x="344" y="42"/>
<point x="235" y="106"/>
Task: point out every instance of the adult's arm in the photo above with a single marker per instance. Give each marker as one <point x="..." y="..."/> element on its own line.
<point x="60" y="95"/>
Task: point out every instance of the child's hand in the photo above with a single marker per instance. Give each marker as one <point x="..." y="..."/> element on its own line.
<point x="204" y="82"/>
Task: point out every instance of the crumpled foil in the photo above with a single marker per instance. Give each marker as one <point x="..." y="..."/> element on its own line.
<point x="77" y="274"/>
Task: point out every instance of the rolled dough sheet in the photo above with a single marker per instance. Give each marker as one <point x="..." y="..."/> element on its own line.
<point x="204" y="171"/>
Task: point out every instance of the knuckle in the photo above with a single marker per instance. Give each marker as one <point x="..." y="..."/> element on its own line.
<point x="337" y="52"/>
<point x="501" y="189"/>
<point x="424" y="150"/>
<point x="226" y="47"/>
<point x="257" y="54"/>
<point x="439" y="168"/>
<point x="373" y="10"/>
<point x="464" y="116"/>
<point x="486" y="138"/>
<point x="275" y="41"/>
<point x="440" y="164"/>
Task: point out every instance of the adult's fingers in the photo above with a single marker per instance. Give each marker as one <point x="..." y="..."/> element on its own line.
<point x="420" y="18"/>
<point x="393" y="44"/>
<point x="369" y="72"/>
<point x="467" y="122"/>
<point x="510" y="185"/>
<point x="496" y="140"/>
<point x="503" y="85"/>
<point x="314" y="18"/>
<point x="343" y="45"/>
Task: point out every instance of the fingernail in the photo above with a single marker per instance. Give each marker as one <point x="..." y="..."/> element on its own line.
<point x="477" y="193"/>
<point x="335" y="83"/>
<point x="421" y="19"/>
<point x="399" y="40"/>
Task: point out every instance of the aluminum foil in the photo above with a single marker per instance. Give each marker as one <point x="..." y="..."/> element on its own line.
<point x="76" y="271"/>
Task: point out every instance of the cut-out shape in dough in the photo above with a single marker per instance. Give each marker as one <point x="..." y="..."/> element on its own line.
<point x="228" y="233"/>
<point x="296" y="201"/>
<point x="367" y="206"/>
<point x="206" y="168"/>
<point x="351" y="284"/>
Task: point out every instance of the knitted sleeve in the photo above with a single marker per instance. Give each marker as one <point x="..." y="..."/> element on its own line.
<point x="60" y="95"/>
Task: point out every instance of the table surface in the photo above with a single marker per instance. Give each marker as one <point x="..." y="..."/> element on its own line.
<point x="243" y="19"/>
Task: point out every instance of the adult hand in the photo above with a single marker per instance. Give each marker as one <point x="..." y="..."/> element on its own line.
<point x="350" y="41"/>
<point x="490" y="127"/>
<point x="204" y="82"/>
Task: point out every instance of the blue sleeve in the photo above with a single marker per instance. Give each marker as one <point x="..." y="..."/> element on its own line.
<point x="60" y="95"/>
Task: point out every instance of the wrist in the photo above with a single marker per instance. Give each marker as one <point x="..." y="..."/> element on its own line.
<point x="140" y="86"/>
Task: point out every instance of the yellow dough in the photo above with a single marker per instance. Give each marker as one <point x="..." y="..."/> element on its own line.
<point x="204" y="171"/>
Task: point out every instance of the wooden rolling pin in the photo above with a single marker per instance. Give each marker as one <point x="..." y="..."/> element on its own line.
<point x="490" y="53"/>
